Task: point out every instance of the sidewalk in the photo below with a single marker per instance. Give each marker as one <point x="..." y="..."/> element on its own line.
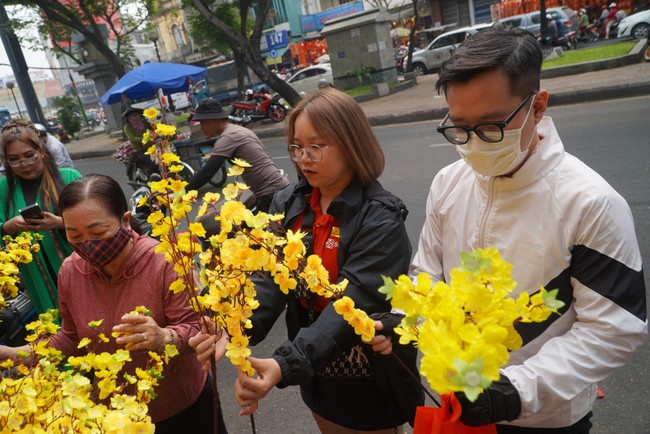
<point x="420" y="102"/>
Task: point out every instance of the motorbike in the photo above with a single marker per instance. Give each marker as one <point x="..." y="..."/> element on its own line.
<point x="140" y="167"/>
<point x="602" y="29"/>
<point x="566" y="42"/>
<point x="257" y="107"/>
<point x="141" y="213"/>
<point x="589" y="33"/>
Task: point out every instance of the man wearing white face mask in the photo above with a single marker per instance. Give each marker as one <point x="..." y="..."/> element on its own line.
<point x="558" y="222"/>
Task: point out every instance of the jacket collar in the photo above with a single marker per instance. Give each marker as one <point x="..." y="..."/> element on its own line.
<point x="345" y="205"/>
<point x="548" y="153"/>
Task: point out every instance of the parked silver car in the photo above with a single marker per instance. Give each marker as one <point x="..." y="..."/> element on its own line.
<point x="430" y="58"/>
<point x="531" y="21"/>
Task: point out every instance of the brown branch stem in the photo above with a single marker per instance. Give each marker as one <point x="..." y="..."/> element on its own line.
<point x="415" y="378"/>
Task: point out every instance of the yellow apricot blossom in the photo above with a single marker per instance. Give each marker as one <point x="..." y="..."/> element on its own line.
<point x="466" y="328"/>
<point x="151" y="113"/>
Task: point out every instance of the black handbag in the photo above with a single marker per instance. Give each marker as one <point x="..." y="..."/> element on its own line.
<point x="19" y="312"/>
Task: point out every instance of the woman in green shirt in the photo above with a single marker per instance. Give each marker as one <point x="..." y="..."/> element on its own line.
<point x="31" y="176"/>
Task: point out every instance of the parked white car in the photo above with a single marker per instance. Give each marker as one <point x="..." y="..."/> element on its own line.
<point x="306" y="80"/>
<point x="635" y="25"/>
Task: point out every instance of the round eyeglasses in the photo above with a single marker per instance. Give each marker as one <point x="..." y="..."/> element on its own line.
<point x="27" y="161"/>
<point x="491" y="132"/>
<point x="313" y="152"/>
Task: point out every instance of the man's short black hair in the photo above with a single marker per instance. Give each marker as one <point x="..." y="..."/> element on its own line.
<point x="498" y="48"/>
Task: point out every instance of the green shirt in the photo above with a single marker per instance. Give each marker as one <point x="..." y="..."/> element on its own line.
<point x="39" y="277"/>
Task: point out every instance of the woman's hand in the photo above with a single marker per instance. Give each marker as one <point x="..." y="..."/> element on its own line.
<point x="249" y="390"/>
<point x="143" y="333"/>
<point x="7" y="353"/>
<point x="380" y="343"/>
<point x="48" y="222"/>
<point x="208" y="342"/>
<point x="17" y="225"/>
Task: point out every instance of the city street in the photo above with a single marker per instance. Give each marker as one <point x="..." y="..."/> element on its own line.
<point x="610" y="136"/>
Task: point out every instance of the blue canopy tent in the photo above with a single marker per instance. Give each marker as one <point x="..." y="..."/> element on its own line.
<point x="144" y="81"/>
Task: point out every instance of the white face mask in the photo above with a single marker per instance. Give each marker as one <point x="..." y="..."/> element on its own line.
<point x="496" y="159"/>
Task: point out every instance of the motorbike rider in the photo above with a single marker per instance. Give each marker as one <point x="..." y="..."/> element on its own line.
<point x="561" y="27"/>
<point x="134" y="125"/>
<point x="552" y="29"/>
<point x="234" y="141"/>
<point x="583" y="22"/>
<point x="610" y="19"/>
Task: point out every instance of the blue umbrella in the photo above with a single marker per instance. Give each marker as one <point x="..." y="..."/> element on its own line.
<point x="144" y="81"/>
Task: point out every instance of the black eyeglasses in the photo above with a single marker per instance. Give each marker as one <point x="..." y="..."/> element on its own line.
<point x="27" y="161"/>
<point x="314" y="152"/>
<point x="491" y="132"/>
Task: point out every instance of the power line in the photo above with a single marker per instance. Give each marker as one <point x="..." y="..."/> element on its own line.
<point x="37" y="67"/>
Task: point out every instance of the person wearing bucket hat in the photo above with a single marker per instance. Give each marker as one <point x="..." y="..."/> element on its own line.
<point x="234" y="141"/>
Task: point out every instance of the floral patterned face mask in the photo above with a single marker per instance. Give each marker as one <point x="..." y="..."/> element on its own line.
<point x="100" y="253"/>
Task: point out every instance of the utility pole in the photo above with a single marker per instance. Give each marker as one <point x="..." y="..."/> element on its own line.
<point x="19" y="67"/>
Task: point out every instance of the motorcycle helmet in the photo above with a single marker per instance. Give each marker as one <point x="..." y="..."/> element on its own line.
<point x="249" y="93"/>
<point x="582" y="11"/>
<point x="612" y="5"/>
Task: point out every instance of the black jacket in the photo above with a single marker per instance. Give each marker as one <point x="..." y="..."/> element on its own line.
<point x="373" y="242"/>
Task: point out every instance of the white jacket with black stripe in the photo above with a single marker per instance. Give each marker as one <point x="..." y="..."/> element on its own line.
<point x="562" y="226"/>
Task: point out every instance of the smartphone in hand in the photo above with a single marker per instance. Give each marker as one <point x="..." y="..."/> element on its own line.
<point x="31" y="212"/>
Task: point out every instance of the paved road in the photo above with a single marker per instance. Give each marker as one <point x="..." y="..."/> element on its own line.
<point x="611" y="136"/>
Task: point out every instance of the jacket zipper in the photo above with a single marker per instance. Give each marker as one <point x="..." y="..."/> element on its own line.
<point x="486" y="215"/>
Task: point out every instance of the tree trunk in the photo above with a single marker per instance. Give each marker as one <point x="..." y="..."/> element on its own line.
<point x="250" y="48"/>
<point x="416" y="18"/>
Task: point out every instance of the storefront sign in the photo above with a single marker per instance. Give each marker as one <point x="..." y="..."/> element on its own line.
<point x="315" y="22"/>
<point x="276" y="40"/>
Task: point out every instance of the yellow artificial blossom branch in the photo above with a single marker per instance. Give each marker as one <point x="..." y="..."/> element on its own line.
<point x="47" y="397"/>
<point x="15" y="250"/>
<point x="247" y="244"/>
<point x="466" y="329"/>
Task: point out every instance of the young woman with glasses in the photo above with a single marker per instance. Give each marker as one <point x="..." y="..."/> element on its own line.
<point x="357" y="228"/>
<point x="31" y="176"/>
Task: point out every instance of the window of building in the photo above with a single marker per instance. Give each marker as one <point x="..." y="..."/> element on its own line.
<point x="178" y="36"/>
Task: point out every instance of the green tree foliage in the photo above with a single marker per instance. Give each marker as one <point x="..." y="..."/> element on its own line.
<point x="214" y="41"/>
<point x="248" y="43"/>
<point x="204" y="33"/>
<point x="66" y="114"/>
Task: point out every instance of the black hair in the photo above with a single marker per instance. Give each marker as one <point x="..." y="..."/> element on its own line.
<point x="101" y="188"/>
<point x="499" y="47"/>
